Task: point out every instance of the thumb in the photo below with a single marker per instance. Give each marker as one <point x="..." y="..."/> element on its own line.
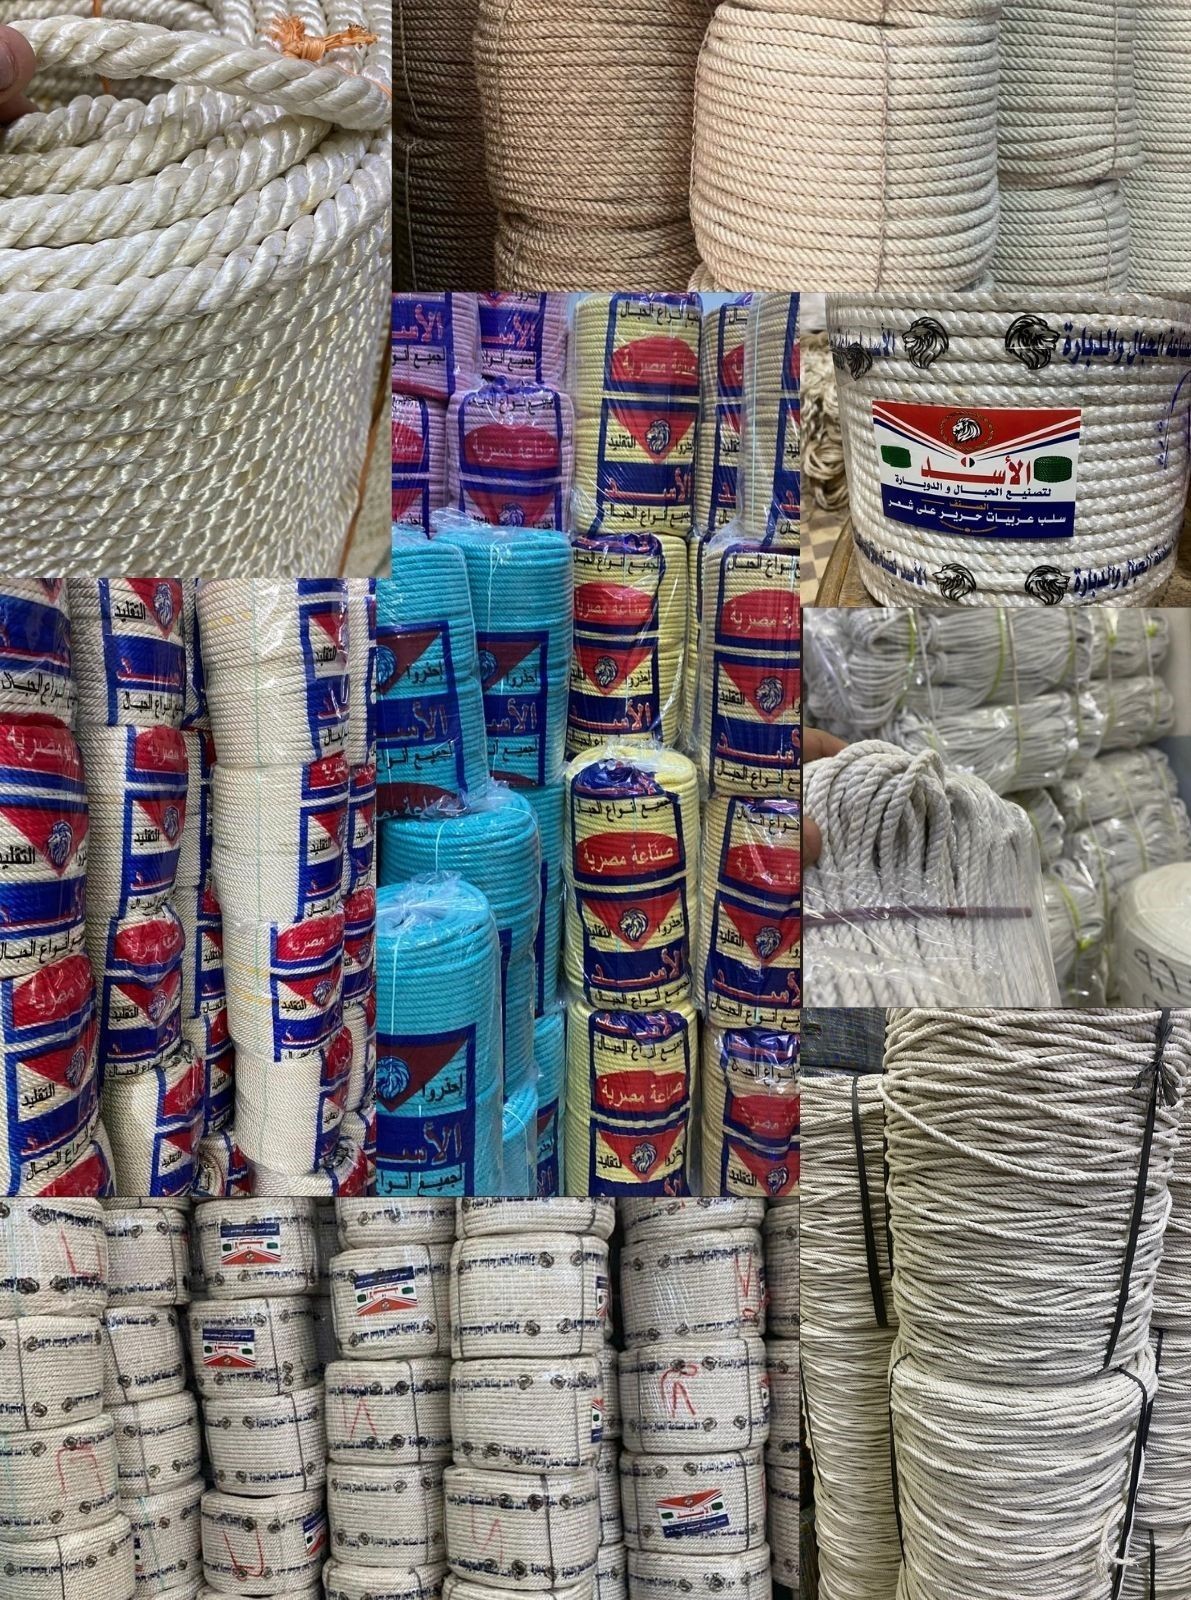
<point x="17" y="66"/>
<point x="812" y="842"/>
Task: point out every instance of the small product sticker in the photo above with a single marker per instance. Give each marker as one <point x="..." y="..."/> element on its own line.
<point x="380" y="1294"/>
<point x="601" y="1298"/>
<point x="682" y="1515"/>
<point x="230" y="1349"/>
<point x="597" y="1421"/>
<point x="314" y="1533"/>
<point x="979" y="472"/>
<point x="250" y="1244"/>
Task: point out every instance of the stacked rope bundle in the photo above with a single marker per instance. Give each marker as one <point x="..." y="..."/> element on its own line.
<point x="129" y="660"/>
<point x="511" y="453"/>
<point x="431" y="343"/>
<point x="1039" y="1144"/>
<point x="591" y="187"/>
<point x="530" y="1314"/>
<point x="830" y="87"/>
<point x="1091" y="499"/>
<point x="228" y="352"/>
<point x="257" y="1371"/>
<point x="550" y="1063"/>
<point x="444" y="220"/>
<point x="1156" y="191"/>
<point x="62" y="1526"/>
<point x="721" y="395"/>
<point x="750" y="1112"/>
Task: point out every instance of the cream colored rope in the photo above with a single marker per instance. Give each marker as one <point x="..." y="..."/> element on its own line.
<point x="386" y="1516"/>
<point x="704" y="1285"/>
<point x="269" y="1445"/>
<point x="392" y="1410"/>
<point x="48" y="1374"/>
<point x="522" y="1529"/>
<point x="689" y="1397"/>
<point x="541" y="1416"/>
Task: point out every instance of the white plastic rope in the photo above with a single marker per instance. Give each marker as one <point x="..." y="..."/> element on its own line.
<point x="1065" y="237"/>
<point x="391" y="1301"/>
<point x="661" y="1217"/>
<point x="1051" y="1135"/>
<point x="347" y="1581"/>
<point x="701" y="1286"/>
<point x="613" y="1420"/>
<point x="58" y="1480"/>
<point x="1151" y="942"/>
<point x="142" y="1354"/>
<point x="782" y="1255"/>
<point x="386" y="1515"/>
<point x="269" y="1445"/>
<point x="1156" y="191"/>
<point x="415" y="1221"/>
<point x="522" y="1530"/>
<point x="148" y="1254"/>
<point x="709" y="1503"/>
<point x="1010" y="747"/>
<point x="657" y="1575"/>
<point x="1160" y="1554"/>
<point x="686" y="1397"/>
<point x="530" y="1294"/>
<point x="252" y="1347"/>
<point x="482" y="1218"/>
<point x="53" y="1258"/>
<point x="1107" y="369"/>
<point x="157" y="1443"/>
<point x="167" y="1539"/>
<point x="782" y="1489"/>
<point x="928" y="887"/>
<point x="608" y="1482"/>
<point x="154" y="1119"/>
<point x="392" y="1411"/>
<point x="1172" y="1287"/>
<point x="785" y="1400"/>
<point x="611" y="1573"/>
<point x="250" y="1248"/>
<point x="1077" y="919"/>
<point x="73" y="1566"/>
<point x="1136" y="710"/>
<point x="48" y="1372"/>
<point x="127" y="650"/>
<point x="280" y="1541"/>
<point x="538" y="1416"/>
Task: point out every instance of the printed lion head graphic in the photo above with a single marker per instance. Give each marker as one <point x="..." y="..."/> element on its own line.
<point x="58" y="842"/>
<point x="163" y="604"/>
<point x="487" y="667"/>
<point x="925" y="341"/>
<point x="606" y="672"/>
<point x="858" y="359"/>
<point x="965" y="430"/>
<point x="634" y="924"/>
<point x="392" y="1077"/>
<point x="322" y="991"/>
<point x="768" y="942"/>
<point x="1031" y="340"/>
<point x="171" y="822"/>
<point x="386" y="668"/>
<point x="643" y="1157"/>
<point x="658" y="436"/>
<point x="76" y="1067"/>
<point x="512" y="516"/>
<point x="770" y="694"/>
<point x="777" y="1179"/>
<point x="955" y="582"/>
<point x="1047" y="584"/>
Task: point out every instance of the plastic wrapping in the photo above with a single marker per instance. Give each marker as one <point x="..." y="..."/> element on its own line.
<point x="669" y="1219"/>
<point x="360" y="748"/>
<point x="1009" y="747"/>
<point x="550" y="1063"/>
<point x="1154" y="833"/>
<point x="706" y="1285"/>
<point x="750" y="1112"/>
<point x="721" y="398"/>
<point x="549" y="807"/>
<point x="1128" y="643"/>
<point x="770" y="491"/>
<point x="35" y="675"/>
<point x="140" y="989"/>
<point x="419" y="472"/>
<point x="153" y="1119"/>
<point x="1112" y="784"/>
<point x="488" y="1218"/>
<point x="635" y="383"/>
<point x="432" y="344"/>
<point x="136" y="791"/>
<point x="519" y="1144"/>
<point x="1151" y="939"/>
<point x="391" y="1300"/>
<point x="928" y="887"/>
<point x="1078" y="930"/>
<point x="43" y="843"/>
<point x="519" y="337"/>
<point x="511" y="454"/>
<point x="128" y="651"/>
<point x="1135" y="710"/>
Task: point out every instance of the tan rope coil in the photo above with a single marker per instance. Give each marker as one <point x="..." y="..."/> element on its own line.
<point x="480" y="1218"/>
<point x="270" y="1445"/>
<point x="782" y="1487"/>
<point x="412" y="1221"/>
<point x="142" y="1354"/>
<point x="785" y="1399"/>
<point x="393" y="1411"/>
<point x="713" y="1503"/>
<point x="73" y="1566"/>
<point x="386" y="1515"/>
<point x="275" y="1545"/>
<point x="608" y="1481"/>
<point x="345" y="1581"/>
<point x="58" y="1480"/>
<point x="251" y="1248"/>
<point x="693" y="1397"/>
<point x="522" y="1530"/>
<point x="557" y="256"/>
<point x="48" y="1374"/>
<point x="535" y="1416"/>
<point x="531" y="1294"/>
<point x="157" y="1444"/>
<point x="167" y="1539"/>
<point x="148" y="1255"/>
<point x="660" y="1217"/>
<point x="1064" y="238"/>
<point x="252" y="1347"/>
<point x="780" y="1233"/>
<point x="391" y="1301"/>
<point x="53" y="1258"/>
<point x="656" y="1576"/>
<point x="704" y="1285"/>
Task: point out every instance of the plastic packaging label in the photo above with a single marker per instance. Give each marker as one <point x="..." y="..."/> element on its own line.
<point x="514" y="675"/>
<point x="426" y="1097"/>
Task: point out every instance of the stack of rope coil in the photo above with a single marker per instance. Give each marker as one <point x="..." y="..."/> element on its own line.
<point x="591" y="184"/>
<point x="444" y="220"/>
<point x="419" y="459"/>
<point x="750" y="1139"/>
<point x="1156" y="191"/>
<point x="259" y="1376"/>
<point x="63" y="1527"/>
<point x="530" y="1312"/>
<point x="510" y="453"/>
<point x="431" y="343"/>
<point x="275" y="655"/>
<point x="550" y="1061"/>
<point x="1095" y="506"/>
<point x="721" y="395"/>
<point x="229" y="351"/>
<point x="782" y="1454"/>
<point x="129" y="657"/>
<point x="868" y="179"/>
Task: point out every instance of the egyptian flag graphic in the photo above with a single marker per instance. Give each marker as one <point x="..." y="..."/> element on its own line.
<point x="382" y="1294"/>
<point x="250" y="1244"/>
<point x="314" y="1533"/>
<point x="229" y="1349"/>
<point x="684" y="1514"/>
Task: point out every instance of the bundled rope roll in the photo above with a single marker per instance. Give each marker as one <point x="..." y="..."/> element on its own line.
<point x="914" y="198"/>
<point x="785" y="1391"/>
<point x="782" y="1260"/>
<point x="148" y="1254"/>
<point x="519" y="337"/>
<point x="281" y="1540"/>
<point x="1151" y="955"/>
<point x="1066" y="238"/>
<point x="782" y="1491"/>
<point x="48" y="1375"/>
<point x="142" y="1354"/>
<point x="663" y="1217"/>
<point x="1105" y="787"/>
<point x="44" y="833"/>
<point x="1161" y="1560"/>
<point x="249" y="1250"/>
<point x="136" y="790"/>
<point x="267" y="1446"/>
<point x="519" y="1416"/>
<point x="716" y="1501"/>
<point x="154" y="1120"/>
<point x="73" y="1566"/>
<point x="439" y="1048"/>
<point x="487" y="1218"/>
<point x="550" y="1063"/>
<point x="654" y="1575"/>
<point x="167" y="1538"/>
<point x="36" y="654"/>
<point x="391" y="1410"/>
<point x="345" y="1581"/>
<point x="529" y="1294"/>
<point x="522" y="1530"/>
<point x="770" y="488"/>
<point x="511" y="453"/>
<point x="53" y="1258"/>
<point x="928" y="886"/>
<point x="58" y="1480"/>
<point x="284" y="983"/>
<point x="1102" y="1092"/>
<point x="391" y="1300"/>
<point x="1102" y="372"/>
<point x="359" y="840"/>
<point x="140" y="989"/>
<point x="251" y="1348"/>
<point x="432" y="345"/>
<point x="536" y="255"/>
<point x="386" y="1516"/>
<point x="1077" y="919"/>
<point x="360" y="748"/>
<point x="290" y="823"/>
<point x="683" y="1398"/>
<point x="1010" y="747"/>
<point x="721" y="393"/>
<point x="1156" y="190"/>
<point x="1136" y="710"/>
<point x="290" y="1109"/>
<point x="703" y="1286"/>
<point x="419" y="442"/>
<point x="420" y="1220"/>
<point x="157" y="1444"/>
<point x="549" y="807"/>
<point x="750" y="1111"/>
<point x="127" y="650"/>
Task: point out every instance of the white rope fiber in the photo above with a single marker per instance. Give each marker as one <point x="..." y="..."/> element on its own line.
<point x="928" y="886"/>
<point x="248" y="1249"/>
<point x="142" y="1354"/>
<point x="521" y="1530"/>
<point x="73" y="1566"/>
<point x="608" y="1485"/>
<point x="153" y="1120"/>
<point x="148" y="1254"/>
<point x="785" y="1400"/>
<point x="53" y="1258"/>
<point x="273" y="1546"/>
<point x="717" y="1501"/>
<point x="1157" y="191"/>
<point x="1160" y="1549"/>
<point x="1172" y="1286"/>
<point x="48" y="1374"/>
<point x="1151" y="939"/>
<point x="58" y="1480"/>
<point x="1067" y="238"/>
<point x="782" y="1489"/>
<point x="612" y="1422"/>
<point x="662" y="1217"/>
<point x="252" y="1347"/>
<point x="268" y="1446"/>
<point x="418" y="1220"/>
<point x="345" y="1581"/>
<point x="530" y="1294"/>
<point x="1078" y="925"/>
<point x="1035" y="1147"/>
<point x="157" y="1444"/>
<point x="690" y="1397"/>
<point x="664" y="1576"/>
<point x="703" y="1286"/>
<point x="167" y="1539"/>
<point x="1104" y="789"/>
<point x="480" y="1218"/>
<point x="391" y="1301"/>
<point x="385" y="1515"/>
<point x="527" y="1416"/>
<point x="1009" y="747"/>
<point x="396" y="1412"/>
<point x="781" y="1237"/>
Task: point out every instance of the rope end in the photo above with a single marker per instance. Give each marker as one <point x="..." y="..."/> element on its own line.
<point x="290" y="36"/>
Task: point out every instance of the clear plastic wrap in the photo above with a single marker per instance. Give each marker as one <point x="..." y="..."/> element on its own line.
<point x="770" y="490"/>
<point x="127" y="650"/>
<point x="419" y="472"/>
<point x="511" y="454"/>
<point x="521" y="337"/>
<point x="1009" y="747"/>
<point x="44" y="837"/>
<point x="721" y="399"/>
<point x="1133" y="710"/>
<point x="750" y="1112"/>
<point x="432" y="345"/>
<point x="1078" y="930"/>
<point x="35" y="654"/>
<point x="1151" y="939"/>
<point x="1047" y="821"/>
<point x="1118" y="849"/>
<point x="1108" y="786"/>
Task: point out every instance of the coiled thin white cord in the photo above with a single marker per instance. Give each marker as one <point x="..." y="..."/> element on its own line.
<point x="1160" y="1552"/>
<point x="661" y="1217"/>
<point x="167" y="1538"/>
<point x="1062" y="237"/>
<point x="391" y="1301"/>
<point x="654" y="1576"/>
<point x="656" y="1492"/>
<point x="478" y="1218"/>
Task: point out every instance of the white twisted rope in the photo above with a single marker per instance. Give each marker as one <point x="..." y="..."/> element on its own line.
<point x="654" y="1491"/>
<point x="1151" y="939"/>
<point x="613" y="1420"/>
<point x="520" y="1529"/>
<point x="279" y="1541"/>
<point x="478" y="1218"/>
<point x="660" y="1217"/>
<point x="393" y="1411"/>
<point x="1066" y="238"/>
<point x="1172" y="1286"/>
<point x="1160" y="1550"/>
<point x="657" y="1576"/>
<point x="142" y="1354"/>
<point x="270" y="1445"/>
<point x="785" y="1400"/>
<point x="413" y="1221"/>
<point x="157" y="1444"/>
<point x="1105" y="787"/>
<point x="148" y="1254"/>
<point x="1077" y="925"/>
<point x="701" y="1286"/>
<point x="58" y="1480"/>
<point x="386" y="1516"/>
<point x="252" y="1347"/>
<point x="347" y="1582"/>
<point x="681" y="1396"/>
<point x="48" y="1374"/>
<point x="781" y="1236"/>
<point x="53" y="1258"/>
<point x="167" y="1539"/>
<point x="391" y="1301"/>
<point x="531" y="1294"/>
<point x="782" y="1487"/>
<point x="1009" y="747"/>
<point x="249" y="1248"/>
<point x="608" y="1485"/>
<point x="535" y="1416"/>
<point x="73" y="1566"/>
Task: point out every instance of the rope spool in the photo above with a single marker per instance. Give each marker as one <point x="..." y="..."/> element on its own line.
<point x="167" y="1539"/>
<point x="154" y="1119"/>
<point x="386" y="1516"/>
<point x="267" y="1446"/>
<point x="359" y="945"/>
<point x="393" y="1411"/>
<point x="140" y="971"/>
<point x="142" y="1354"/>
<point x="630" y="612"/>
<point x="419" y="1220"/>
<point x="527" y="1416"/>
<point x="479" y="1219"/>
<point x="549" y="807"/>
<point x="252" y="1348"/>
<point x="136" y="791"/>
<point x="612" y="1424"/>
<point x="279" y="1541"/>
<point x="654" y="1576"/>
<point x="915" y="193"/>
<point x="431" y="738"/>
<point x="419" y="442"/>
<point x="391" y="1301"/>
<point x="511" y="454"/>
<point x="127" y="650"/>
<point x="550" y="1063"/>
<point x="522" y="1530"/>
<point x="47" y="1372"/>
<point x="291" y="823"/>
<point x="782" y="1264"/>
<point x="157" y="1444"/>
<point x="635" y="383"/>
<point x="519" y="337"/>
<point x="663" y="1217"/>
<point x="1087" y="239"/>
<point x="194" y="850"/>
<point x="53" y="1259"/>
<point x="631" y="857"/>
<point x="44" y="833"/>
<point x="73" y="1566"/>
<point x="58" y="1480"/>
<point x="1158" y="1542"/>
<point x="249" y="1250"/>
<point x="359" y="855"/>
<point x="1120" y="850"/>
<point x="284" y="985"/>
<point x="556" y="256"/>
<point x="928" y="886"/>
<point x="702" y="1286"/>
<point x="194" y="692"/>
<point x="630" y="1086"/>
<point x="529" y="1294"/>
<point x="1117" y="499"/>
<point x="785" y="1399"/>
<point x="750" y="1111"/>
<point x="1151" y="955"/>
<point x="1098" y="1186"/>
<point x="521" y="598"/>
<point x="439" y="1047"/>
<point x="721" y="393"/>
<point x="346" y="1582"/>
<point x="35" y="658"/>
<point x="684" y="1399"/>
<point x="770" y="490"/>
<point x="148" y="1255"/>
<point x="608" y="1481"/>
<point x="662" y="1493"/>
<point x="360" y="749"/>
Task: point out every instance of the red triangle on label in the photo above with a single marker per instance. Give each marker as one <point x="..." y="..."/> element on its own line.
<point x="403" y="500"/>
<point x="405" y="646"/>
<point x="169" y="816"/>
<point x="67" y="1065"/>
<point x="634" y="921"/>
<point x="774" y="1176"/>
<point x="404" y="1069"/>
<point x="55" y="837"/>
<point x="409" y="445"/>
<point x="51" y="993"/>
<point x="607" y="667"/>
<point x="499" y="656"/>
<point x="771" y="690"/>
<point x="769" y="937"/>
<point x="642" y="1153"/>
<point x="657" y="430"/>
<point x="162" y="600"/>
<point x="732" y="368"/>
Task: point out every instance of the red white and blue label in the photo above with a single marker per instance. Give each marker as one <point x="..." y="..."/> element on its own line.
<point x="314" y="1533"/>
<point x="784" y="515"/>
<point x="548" y="1169"/>
<point x="979" y="472"/>
<point x="323" y="621"/>
<point x="753" y="961"/>
<point x="511" y="335"/>
<point x="175" y="1126"/>
<point x="615" y="687"/>
<point x="510" y="453"/>
<point x="514" y="667"/>
<point x="155" y="777"/>
<point x="683" y="1515"/>
<point x="422" y="344"/>
<point x="420" y="753"/>
<point x="306" y="983"/>
<point x="361" y="826"/>
<point x="229" y="1349"/>
<point x="250" y="1244"/>
<point x="385" y="1292"/>
<point x="760" y="1152"/>
<point x="322" y="824"/>
<point x="144" y="656"/>
<point x="51" y="1088"/>
<point x="426" y="1111"/>
<point x="35" y="653"/>
<point x="645" y="463"/>
<point x="597" y="1420"/>
<point x="755" y="718"/>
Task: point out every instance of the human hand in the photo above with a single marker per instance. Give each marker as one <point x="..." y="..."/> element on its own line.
<point x="816" y="746"/>
<point x="17" y="66"/>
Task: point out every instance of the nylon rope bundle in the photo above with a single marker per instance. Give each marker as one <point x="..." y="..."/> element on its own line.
<point x="252" y="1347"/>
<point x="391" y="1300"/>
<point x="901" y="108"/>
<point x="656" y="1493"/>
<point x="750" y="1111"/>
<point x="928" y="884"/>
<point x="392" y="1410"/>
<point x="540" y="1416"/>
<point x="1151" y="956"/>
<point x="511" y="453"/>
<point x="479" y="1219"/>
<point x="157" y="1444"/>
<point x="1160" y="1561"/>
<point x="1107" y="368"/>
<point x="683" y="1398"/>
<point x="74" y="1566"/>
<point x="267" y="1446"/>
<point x="1078" y="926"/>
<point x="521" y="1529"/>
<point x="127" y="651"/>
<point x="47" y="1372"/>
<point x="196" y="295"/>
<point x="280" y="1540"/>
<point x="1008" y="747"/>
<point x="528" y="1294"/>
<point x="702" y="1285"/>
<point x="1155" y="192"/>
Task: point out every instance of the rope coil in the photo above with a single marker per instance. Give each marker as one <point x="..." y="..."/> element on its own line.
<point x="136" y="793"/>
<point x="1066" y="238"/>
<point x="1158" y="1543"/>
<point x="157" y="1444"/>
<point x="750" y="1111"/>
<point x="58" y="1480"/>
<point x="45" y="834"/>
<point x="785" y="1397"/>
<point x="510" y="454"/>
<point x="127" y="650"/>
<point x="252" y="1347"/>
<point x="770" y="489"/>
<point x="419" y="1220"/>
<point x="680" y="1398"/>
<point x="266" y="1446"/>
<point x="153" y="1121"/>
<point x="654" y="1575"/>
<point x="394" y="1411"/>
<point x="391" y="1301"/>
<point x="280" y="1540"/>
<point x="47" y="1372"/>
<point x="518" y="1416"/>
<point x="347" y="1582"/>
<point x="74" y="1566"/>
<point x="53" y="1259"/>
<point x="661" y="1216"/>
<point x="660" y="1492"/>
<point x="479" y="1219"/>
<point x="529" y="1294"/>
<point x="1151" y="957"/>
<point x="142" y="1354"/>
<point x="702" y="1286"/>
<point x="386" y="1516"/>
<point x="721" y="393"/>
<point x="608" y="1481"/>
<point x="167" y="1538"/>
<point x="782" y="1268"/>
<point x="521" y="1529"/>
<point x="520" y="337"/>
<point x="252" y="1250"/>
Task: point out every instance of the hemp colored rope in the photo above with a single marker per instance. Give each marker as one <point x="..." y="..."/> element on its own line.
<point x="391" y="1301"/>
<point x="142" y="1354"/>
<point x="73" y="1566"/>
<point x="251" y="1348"/>
<point x="750" y="1111"/>
<point x="443" y="217"/>
<point x="48" y="1375"/>
<point x="204" y="300"/>
<point x="694" y="1397"/>
<point x="486" y="1218"/>
<point x="1151" y="951"/>
<point x="662" y="1492"/>
<point x="518" y="1416"/>
<point x="780" y="1233"/>
<point x="555" y="256"/>
<point x="386" y="1516"/>
<point x="1160" y="1556"/>
<point x="392" y="1411"/>
<point x="522" y="1529"/>
<point x="53" y="1258"/>
<point x="58" y="1480"/>
<point x="283" y="1537"/>
<point x="1064" y="237"/>
<point x="167" y="1536"/>
<point x="1036" y="1126"/>
<point x="653" y="1575"/>
<point x="248" y="1249"/>
<point x="770" y="487"/>
<point x="902" y="117"/>
<point x="529" y="1294"/>
<point x="267" y="1446"/>
<point x="702" y="1285"/>
<point x="1111" y="369"/>
<point x="157" y="1444"/>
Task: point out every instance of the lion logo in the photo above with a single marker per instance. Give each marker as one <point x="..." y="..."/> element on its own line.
<point x="58" y="843"/>
<point x="658" y="436"/>
<point x="778" y="1179"/>
<point x="925" y="341"/>
<point x="955" y="582"/>
<point x="487" y="667"/>
<point x="965" y="430"/>
<point x="512" y="516"/>
<point x="634" y="924"/>
<point x="1032" y="341"/>
<point x="76" y="1067"/>
<point x="322" y="991"/>
<point x="770" y="694"/>
<point x="768" y="942"/>
<point x="1047" y="584"/>
<point x="171" y="821"/>
<point x="163" y="604"/>
<point x="606" y="672"/>
<point x="643" y="1157"/>
<point x="392" y="1078"/>
<point x="858" y="359"/>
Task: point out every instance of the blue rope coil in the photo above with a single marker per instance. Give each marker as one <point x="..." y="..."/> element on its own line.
<point x="521" y="1141"/>
<point x="549" y="807"/>
<point x="550" y="1059"/>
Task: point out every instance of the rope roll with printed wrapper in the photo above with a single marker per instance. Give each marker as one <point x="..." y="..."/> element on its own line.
<point x="192" y="287"/>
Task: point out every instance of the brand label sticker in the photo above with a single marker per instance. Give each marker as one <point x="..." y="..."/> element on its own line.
<point x="682" y="1515"/>
<point x="382" y="1293"/>
<point x="230" y="1349"/>
<point x="250" y="1244"/>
